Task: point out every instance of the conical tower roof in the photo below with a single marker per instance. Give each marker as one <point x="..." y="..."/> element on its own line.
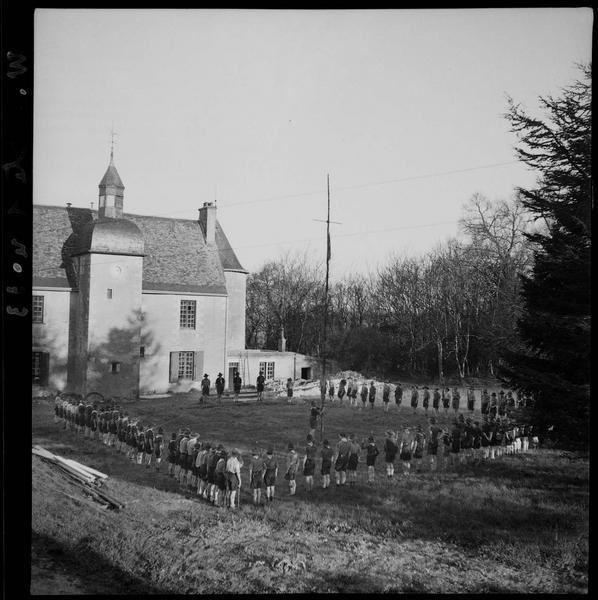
<point x="111" y="177"/>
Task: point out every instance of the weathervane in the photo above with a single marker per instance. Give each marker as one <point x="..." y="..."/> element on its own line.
<point x="112" y="134"/>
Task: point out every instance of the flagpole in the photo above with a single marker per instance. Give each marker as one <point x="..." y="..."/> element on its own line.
<point x="323" y="395"/>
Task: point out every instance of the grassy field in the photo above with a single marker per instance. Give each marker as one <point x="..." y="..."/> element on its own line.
<point x="519" y="524"/>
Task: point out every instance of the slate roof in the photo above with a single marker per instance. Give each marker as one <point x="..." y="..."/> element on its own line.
<point x="177" y="257"/>
<point x="111" y="177"/>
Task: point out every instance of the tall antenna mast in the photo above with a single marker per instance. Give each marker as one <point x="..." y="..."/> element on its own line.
<point x="324" y="347"/>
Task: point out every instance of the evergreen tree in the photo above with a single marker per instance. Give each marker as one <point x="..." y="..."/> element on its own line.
<point x="554" y="361"/>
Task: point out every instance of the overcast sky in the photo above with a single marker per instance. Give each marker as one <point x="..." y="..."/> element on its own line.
<point x="254" y="108"/>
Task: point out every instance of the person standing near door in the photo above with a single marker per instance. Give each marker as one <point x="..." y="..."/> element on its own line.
<point x="259" y="384"/>
<point x="237" y="381"/>
<point x="220" y="387"/>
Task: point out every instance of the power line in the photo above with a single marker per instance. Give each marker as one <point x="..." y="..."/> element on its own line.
<point x="344" y="188"/>
<point x="373" y="183"/>
<point x="311" y="239"/>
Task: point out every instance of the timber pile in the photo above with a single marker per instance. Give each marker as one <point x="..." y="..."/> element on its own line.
<point x="85" y="478"/>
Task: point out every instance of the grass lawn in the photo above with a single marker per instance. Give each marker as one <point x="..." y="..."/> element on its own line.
<point x="519" y="524"/>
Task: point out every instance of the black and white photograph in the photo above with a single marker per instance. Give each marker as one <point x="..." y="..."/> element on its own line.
<point x="310" y="301"/>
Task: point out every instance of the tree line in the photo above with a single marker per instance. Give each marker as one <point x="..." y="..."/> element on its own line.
<point x="444" y="314"/>
<point x="510" y="297"/>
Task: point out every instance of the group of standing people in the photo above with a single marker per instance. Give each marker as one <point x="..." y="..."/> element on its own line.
<point x="220" y="385"/>
<point x="214" y="474"/>
<point x="437" y="399"/>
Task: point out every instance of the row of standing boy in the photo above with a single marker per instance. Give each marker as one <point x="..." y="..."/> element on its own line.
<point x="492" y="404"/>
<point x="215" y="475"/>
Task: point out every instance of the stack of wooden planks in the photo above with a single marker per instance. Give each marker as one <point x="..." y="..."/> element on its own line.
<point x="87" y="479"/>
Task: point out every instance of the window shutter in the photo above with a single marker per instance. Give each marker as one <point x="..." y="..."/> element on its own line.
<point x="198" y="366"/>
<point x="174" y="367"/>
<point x="44" y="368"/>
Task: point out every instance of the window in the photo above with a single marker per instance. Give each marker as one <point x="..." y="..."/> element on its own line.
<point x="39" y="368"/>
<point x="188" y="314"/>
<point x="186" y="365"/>
<point x="142" y="351"/>
<point x="268" y="369"/>
<point x="38" y="309"/>
<point x="109" y="293"/>
<point x="115" y="367"/>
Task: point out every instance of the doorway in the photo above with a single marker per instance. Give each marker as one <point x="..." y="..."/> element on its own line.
<point x="305" y="372"/>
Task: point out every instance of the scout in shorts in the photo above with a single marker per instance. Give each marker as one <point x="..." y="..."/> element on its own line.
<point x="456" y="400"/>
<point x="436" y="400"/>
<point x="291" y="470"/>
<point x="354" y="392"/>
<point x="158" y="443"/>
<point x="57" y="403"/>
<point x="426" y="399"/>
<point x="477" y="441"/>
<point x="342" y="389"/>
<point x="88" y="413"/>
<point x="371" y="452"/>
<point x="470" y="399"/>
<point x="455" y="442"/>
<point x="289" y="391"/>
<point x="407" y="446"/>
<point x="386" y="396"/>
<point x="493" y="411"/>
<point x="398" y="395"/>
<point x="414" y="398"/>
<point x="446" y="400"/>
<point x="309" y="463"/>
<point x="270" y="473"/>
<point x="183" y="447"/>
<point x="419" y="445"/>
<point x="342" y="458"/>
<point x="233" y="477"/>
<point x="220" y="492"/>
<point x="140" y="445"/>
<point x="486" y="438"/>
<point x="446" y="446"/>
<point x="390" y="452"/>
<point x="213" y="458"/>
<point x="372" y="394"/>
<point x="331" y="391"/>
<point x="485" y="402"/>
<point x="256" y="475"/>
<point x="148" y="450"/>
<point x="193" y="448"/>
<point x="172" y="449"/>
<point x="433" y="441"/>
<point x="353" y="460"/>
<point x="202" y="468"/>
<point x="326" y="453"/>
<point x="364" y="394"/>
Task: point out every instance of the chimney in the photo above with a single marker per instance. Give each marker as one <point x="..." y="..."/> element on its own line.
<point x="282" y="344"/>
<point x="207" y="220"/>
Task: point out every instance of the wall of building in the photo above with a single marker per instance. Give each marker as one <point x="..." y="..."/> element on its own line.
<point x="51" y="336"/>
<point x="236" y="286"/>
<point x="162" y="334"/>
<point x="286" y="364"/>
<point x="113" y="324"/>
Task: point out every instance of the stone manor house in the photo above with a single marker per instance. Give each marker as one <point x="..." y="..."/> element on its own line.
<point x="129" y="304"/>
